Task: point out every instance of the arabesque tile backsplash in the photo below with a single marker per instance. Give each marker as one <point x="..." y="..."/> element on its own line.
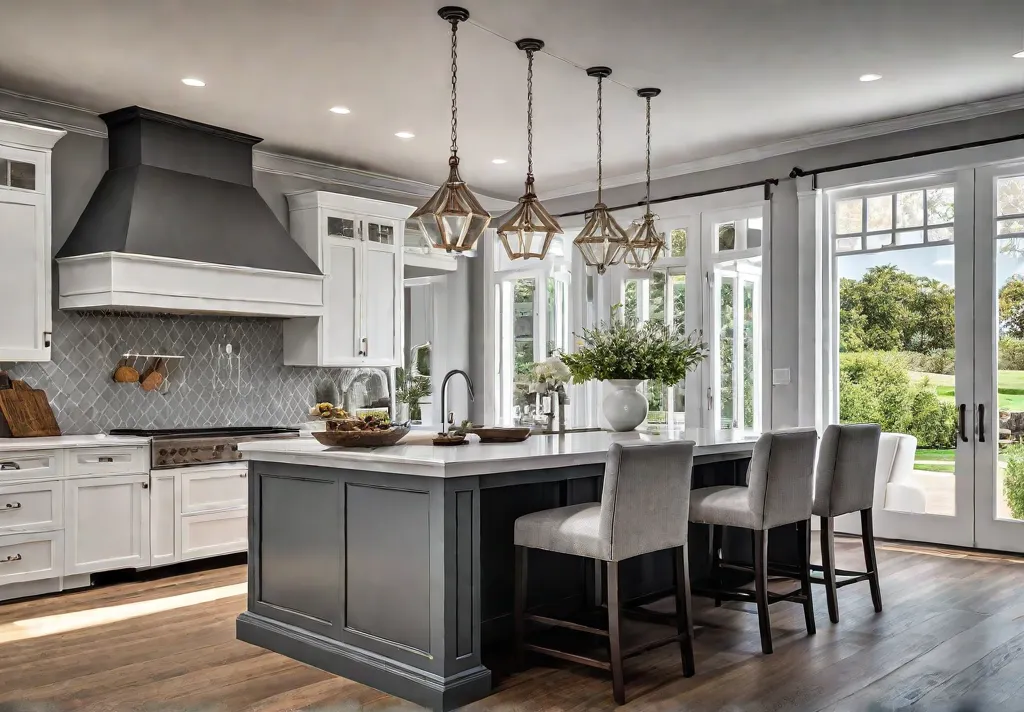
<point x="249" y="386"/>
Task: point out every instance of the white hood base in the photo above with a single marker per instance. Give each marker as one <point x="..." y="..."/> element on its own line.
<point x="123" y="281"/>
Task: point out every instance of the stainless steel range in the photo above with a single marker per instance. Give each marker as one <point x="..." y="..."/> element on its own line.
<point x="181" y="447"/>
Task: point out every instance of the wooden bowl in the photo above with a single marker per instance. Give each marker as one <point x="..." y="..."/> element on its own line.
<point x="501" y="435"/>
<point x="361" y="438"/>
<point x="448" y="440"/>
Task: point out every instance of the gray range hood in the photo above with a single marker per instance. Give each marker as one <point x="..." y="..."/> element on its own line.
<point x="176" y="225"/>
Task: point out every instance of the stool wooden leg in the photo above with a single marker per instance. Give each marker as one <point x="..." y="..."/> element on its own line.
<point x="614" y="637"/>
<point x="828" y="567"/>
<point x="716" y="559"/>
<point x="761" y="589"/>
<point x="520" y="606"/>
<point x="684" y="614"/>
<point x="804" y="535"/>
<point x="867" y="530"/>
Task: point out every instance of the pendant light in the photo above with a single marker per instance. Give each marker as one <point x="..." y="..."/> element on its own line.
<point x="453" y="219"/>
<point x="603" y="242"/>
<point x="527" y="230"/>
<point x="645" y="242"/>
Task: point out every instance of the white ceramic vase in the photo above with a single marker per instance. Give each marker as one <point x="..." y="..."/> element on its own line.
<point x="624" y="408"/>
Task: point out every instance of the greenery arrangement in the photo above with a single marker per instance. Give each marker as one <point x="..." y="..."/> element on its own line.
<point x="410" y="389"/>
<point x="626" y="349"/>
<point x="1013" y="485"/>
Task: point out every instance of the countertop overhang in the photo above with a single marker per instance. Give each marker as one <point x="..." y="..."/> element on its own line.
<point x="68" y="441"/>
<point x="475" y="458"/>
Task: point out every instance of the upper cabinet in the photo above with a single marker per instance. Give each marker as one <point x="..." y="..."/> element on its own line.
<point x="357" y="243"/>
<point x="25" y="240"/>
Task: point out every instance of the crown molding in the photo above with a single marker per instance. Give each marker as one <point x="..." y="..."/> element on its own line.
<point x="820" y="139"/>
<point x="54" y="114"/>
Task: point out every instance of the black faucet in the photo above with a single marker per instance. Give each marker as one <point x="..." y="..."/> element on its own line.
<point x="444" y="395"/>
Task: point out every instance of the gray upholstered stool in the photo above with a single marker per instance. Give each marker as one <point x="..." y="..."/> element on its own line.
<point x="845" y="484"/>
<point x="778" y="492"/>
<point x="643" y="509"/>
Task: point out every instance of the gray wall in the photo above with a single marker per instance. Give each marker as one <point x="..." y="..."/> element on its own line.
<point x="254" y="389"/>
<point x="785" y="325"/>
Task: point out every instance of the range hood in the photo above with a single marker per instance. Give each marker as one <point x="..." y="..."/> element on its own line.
<point x="176" y="226"/>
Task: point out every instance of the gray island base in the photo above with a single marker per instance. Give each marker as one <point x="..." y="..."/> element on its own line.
<point x="394" y="567"/>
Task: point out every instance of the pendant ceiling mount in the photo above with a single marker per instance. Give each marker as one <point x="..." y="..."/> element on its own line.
<point x="453" y="219"/>
<point x="602" y="241"/>
<point x="646" y="243"/>
<point x="527" y="230"/>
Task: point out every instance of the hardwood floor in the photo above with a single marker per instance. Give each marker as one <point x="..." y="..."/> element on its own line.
<point x="952" y="630"/>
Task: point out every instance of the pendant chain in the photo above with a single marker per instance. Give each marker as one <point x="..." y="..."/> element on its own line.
<point x="599" y="105"/>
<point x="648" y="154"/>
<point x="529" y="114"/>
<point x="455" y="76"/>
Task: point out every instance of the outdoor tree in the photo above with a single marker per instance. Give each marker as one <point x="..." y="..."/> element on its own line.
<point x="1011" y="308"/>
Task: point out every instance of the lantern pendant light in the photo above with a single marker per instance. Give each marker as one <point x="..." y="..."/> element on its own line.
<point x="602" y="241"/>
<point x="645" y="242"/>
<point x="453" y="219"/>
<point x="527" y="230"/>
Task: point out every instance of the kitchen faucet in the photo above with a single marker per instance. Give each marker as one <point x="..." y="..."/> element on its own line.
<point x="444" y="396"/>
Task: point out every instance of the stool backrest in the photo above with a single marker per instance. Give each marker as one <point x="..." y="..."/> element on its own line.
<point x="845" y="480"/>
<point x="645" y="504"/>
<point x="781" y="476"/>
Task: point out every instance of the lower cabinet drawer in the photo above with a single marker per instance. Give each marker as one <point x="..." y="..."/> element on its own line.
<point x="31" y="507"/>
<point x="223" y="486"/>
<point x="31" y="557"/>
<point x="214" y="533"/>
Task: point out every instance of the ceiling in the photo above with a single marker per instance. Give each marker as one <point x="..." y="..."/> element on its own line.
<point x="735" y="74"/>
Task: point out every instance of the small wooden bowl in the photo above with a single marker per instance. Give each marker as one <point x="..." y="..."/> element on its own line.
<point x="361" y="438"/>
<point x="501" y="435"/>
<point x="448" y="440"/>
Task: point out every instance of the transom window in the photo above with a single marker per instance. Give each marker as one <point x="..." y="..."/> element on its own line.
<point x="896" y="219"/>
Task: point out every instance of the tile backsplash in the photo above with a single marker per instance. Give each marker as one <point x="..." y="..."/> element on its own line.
<point x="251" y="386"/>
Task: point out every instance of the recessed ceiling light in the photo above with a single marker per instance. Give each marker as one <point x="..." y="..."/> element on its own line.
<point x="1019" y="55"/>
<point x="498" y="161"/>
<point x="340" y="110"/>
<point x="870" y="77"/>
<point x="405" y="134"/>
<point x="193" y="82"/>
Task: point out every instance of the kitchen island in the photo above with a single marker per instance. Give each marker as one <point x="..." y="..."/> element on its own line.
<point x="394" y="566"/>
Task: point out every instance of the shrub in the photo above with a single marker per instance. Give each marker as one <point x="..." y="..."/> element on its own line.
<point x="876" y="388"/>
<point x="1011" y="354"/>
<point x="1013" y="485"/>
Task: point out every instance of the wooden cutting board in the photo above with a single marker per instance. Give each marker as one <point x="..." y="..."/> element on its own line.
<point x="28" y="414"/>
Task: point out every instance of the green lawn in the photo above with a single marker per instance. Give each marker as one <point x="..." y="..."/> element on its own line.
<point x="1010" y="387"/>
<point x="932" y="467"/>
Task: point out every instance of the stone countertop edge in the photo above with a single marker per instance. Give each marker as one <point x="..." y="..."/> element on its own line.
<point x="70" y="441"/>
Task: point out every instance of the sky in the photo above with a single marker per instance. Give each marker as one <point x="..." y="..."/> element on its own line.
<point x="935" y="261"/>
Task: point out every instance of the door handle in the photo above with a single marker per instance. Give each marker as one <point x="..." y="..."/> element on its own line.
<point x="963" y="422"/>
<point x="981" y="422"/>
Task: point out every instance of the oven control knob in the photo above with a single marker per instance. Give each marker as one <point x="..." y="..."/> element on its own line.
<point x="163" y="451"/>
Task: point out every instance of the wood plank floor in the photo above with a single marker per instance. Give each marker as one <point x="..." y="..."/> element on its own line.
<point x="952" y="630"/>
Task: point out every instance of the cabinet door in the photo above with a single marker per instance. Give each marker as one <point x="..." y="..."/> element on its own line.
<point x="107" y="523"/>
<point x="24" y="287"/>
<point x="382" y="296"/>
<point x="164" y="519"/>
<point x="342" y="291"/>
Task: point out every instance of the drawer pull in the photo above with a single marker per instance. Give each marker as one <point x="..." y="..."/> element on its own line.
<point x="105" y="459"/>
<point x="11" y="505"/>
<point x="9" y="465"/>
<point x="243" y="475"/>
<point x="9" y="559"/>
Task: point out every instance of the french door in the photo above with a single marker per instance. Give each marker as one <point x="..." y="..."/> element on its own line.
<point x="928" y="323"/>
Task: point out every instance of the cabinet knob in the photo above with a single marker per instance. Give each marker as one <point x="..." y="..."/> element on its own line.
<point x="145" y="485"/>
<point x="9" y="559"/>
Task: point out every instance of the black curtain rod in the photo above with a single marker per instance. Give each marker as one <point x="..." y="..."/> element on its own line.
<point x="768" y="183"/>
<point x="798" y="172"/>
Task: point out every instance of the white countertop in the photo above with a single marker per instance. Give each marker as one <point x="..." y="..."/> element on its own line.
<point x="65" y="441"/>
<point x="475" y="458"/>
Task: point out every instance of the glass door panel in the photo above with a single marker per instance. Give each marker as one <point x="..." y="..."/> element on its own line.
<point x="904" y="294"/>
<point x="999" y="251"/>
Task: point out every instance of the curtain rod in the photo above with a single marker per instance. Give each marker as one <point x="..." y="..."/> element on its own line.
<point x="767" y="183"/>
<point x="798" y="172"/>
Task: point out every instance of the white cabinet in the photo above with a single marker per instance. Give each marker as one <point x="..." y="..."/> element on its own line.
<point x="214" y="534"/>
<point x="107" y="523"/>
<point x="25" y="319"/>
<point x="357" y="243"/>
<point x="163" y="518"/>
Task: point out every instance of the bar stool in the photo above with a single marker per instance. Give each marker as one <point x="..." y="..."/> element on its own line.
<point x="643" y="509"/>
<point x="778" y="492"/>
<point x="844" y="484"/>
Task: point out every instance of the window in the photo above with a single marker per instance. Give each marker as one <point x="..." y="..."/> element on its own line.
<point x="895" y="219"/>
